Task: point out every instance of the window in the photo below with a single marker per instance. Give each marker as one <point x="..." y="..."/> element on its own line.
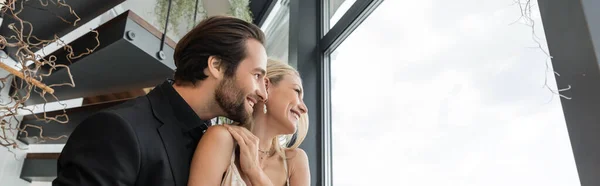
<point x="181" y="19"/>
<point x="336" y="9"/>
<point x="447" y="93"/>
<point x="277" y="31"/>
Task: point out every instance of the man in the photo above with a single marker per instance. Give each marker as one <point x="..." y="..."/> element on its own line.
<point x="150" y="140"/>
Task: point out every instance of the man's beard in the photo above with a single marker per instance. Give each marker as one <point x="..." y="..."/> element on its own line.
<point x="232" y="100"/>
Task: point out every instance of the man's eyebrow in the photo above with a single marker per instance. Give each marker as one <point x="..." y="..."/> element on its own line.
<point x="262" y="71"/>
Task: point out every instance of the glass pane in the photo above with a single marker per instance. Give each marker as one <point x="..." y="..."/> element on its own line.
<point x="277" y="31"/>
<point x="181" y="19"/>
<point x="337" y="8"/>
<point x="429" y="93"/>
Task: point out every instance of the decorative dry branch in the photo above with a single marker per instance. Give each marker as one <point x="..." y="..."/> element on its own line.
<point x="526" y="8"/>
<point x="29" y="69"/>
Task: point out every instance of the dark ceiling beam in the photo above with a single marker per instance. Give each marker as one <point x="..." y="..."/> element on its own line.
<point x="40" y="167"/>
<point x="125" y="59"/>
<point x="53" y="129"/>
<point x="46" y="22"/>
<point x="76" y="115"/>
<point x="572" y="29"/>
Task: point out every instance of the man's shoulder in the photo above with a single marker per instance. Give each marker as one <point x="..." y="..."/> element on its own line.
<point x="131" y="112"/>
<point x="135" y="109"/>
<point x="133" y="105"/>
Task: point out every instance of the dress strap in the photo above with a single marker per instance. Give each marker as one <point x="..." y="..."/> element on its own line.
<point x="287" y="174"/>
<point x="233" y="153"/>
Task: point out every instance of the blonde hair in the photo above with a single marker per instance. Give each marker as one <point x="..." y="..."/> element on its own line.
<point x="276" y="71"/>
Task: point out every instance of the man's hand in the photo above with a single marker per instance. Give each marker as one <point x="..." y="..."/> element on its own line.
<point x="249" y="160"/>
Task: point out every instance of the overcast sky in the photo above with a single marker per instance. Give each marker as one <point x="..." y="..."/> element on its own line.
<point x="437" y="92"/>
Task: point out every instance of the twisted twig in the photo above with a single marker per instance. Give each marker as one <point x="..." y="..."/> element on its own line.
<point x="29" y="70"/>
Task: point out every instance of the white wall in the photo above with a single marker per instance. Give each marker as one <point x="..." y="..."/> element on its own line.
<point x="10" y="167"/>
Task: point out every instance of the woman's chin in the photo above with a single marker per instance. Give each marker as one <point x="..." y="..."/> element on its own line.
<point x="290" y="128"/>
<point x="285" y="126"/>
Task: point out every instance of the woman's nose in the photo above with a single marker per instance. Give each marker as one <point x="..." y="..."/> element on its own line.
<point x="303" y="108"/>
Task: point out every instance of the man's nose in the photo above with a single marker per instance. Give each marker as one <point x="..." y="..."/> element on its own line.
<point x="262" y="93"/>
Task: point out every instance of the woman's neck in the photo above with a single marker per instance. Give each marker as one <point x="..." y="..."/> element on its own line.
<point x="261" y="130"/>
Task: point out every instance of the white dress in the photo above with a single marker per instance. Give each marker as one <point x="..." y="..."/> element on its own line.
<point x="234" y="178"/>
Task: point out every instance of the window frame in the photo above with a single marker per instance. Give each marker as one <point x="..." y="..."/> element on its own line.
<point x="572" y="36"/>
<point x="309" y="53"/>
<point x="335" y="36"/>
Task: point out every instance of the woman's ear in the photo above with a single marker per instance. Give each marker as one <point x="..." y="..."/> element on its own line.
<point x="267" y="84"/>
<point x="214" y="67"/>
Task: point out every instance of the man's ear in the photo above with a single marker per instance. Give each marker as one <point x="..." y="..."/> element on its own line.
<point x="214" y="67"/>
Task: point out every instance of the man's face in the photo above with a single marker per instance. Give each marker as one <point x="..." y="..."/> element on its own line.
<point x="237" y="95"/>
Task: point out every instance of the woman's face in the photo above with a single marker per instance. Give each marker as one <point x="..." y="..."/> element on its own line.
<point x="285" y="104"/>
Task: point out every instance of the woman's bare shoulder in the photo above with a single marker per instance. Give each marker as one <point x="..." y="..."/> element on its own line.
<point x="299" y="171"/>
<point x="211" y="158"/>
<point x="296" y="156"/>
<point x="217" y="135"/>
<point x="218" y="132"/>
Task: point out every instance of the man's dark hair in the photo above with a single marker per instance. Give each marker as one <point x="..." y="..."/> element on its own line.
<point x="220" y="36"/>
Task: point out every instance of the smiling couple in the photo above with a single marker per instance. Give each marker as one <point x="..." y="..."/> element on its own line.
<point x="166" y="137"/>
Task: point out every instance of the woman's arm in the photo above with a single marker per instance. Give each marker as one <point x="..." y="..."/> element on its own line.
<point x="299" y="170"/>
<point x="212" y="157"/>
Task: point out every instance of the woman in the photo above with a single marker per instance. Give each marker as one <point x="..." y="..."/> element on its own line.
<point x="259" y="153"/>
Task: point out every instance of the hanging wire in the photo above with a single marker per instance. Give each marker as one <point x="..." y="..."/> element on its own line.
<point x="195" y="12"/>
<point x="164" y="35"/>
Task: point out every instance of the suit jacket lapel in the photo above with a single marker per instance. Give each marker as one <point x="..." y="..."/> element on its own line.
<point x="172" y="137"/>
<point x="171" y="134"/>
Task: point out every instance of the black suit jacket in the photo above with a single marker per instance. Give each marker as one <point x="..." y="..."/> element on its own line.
<point x="146" y="141"/>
